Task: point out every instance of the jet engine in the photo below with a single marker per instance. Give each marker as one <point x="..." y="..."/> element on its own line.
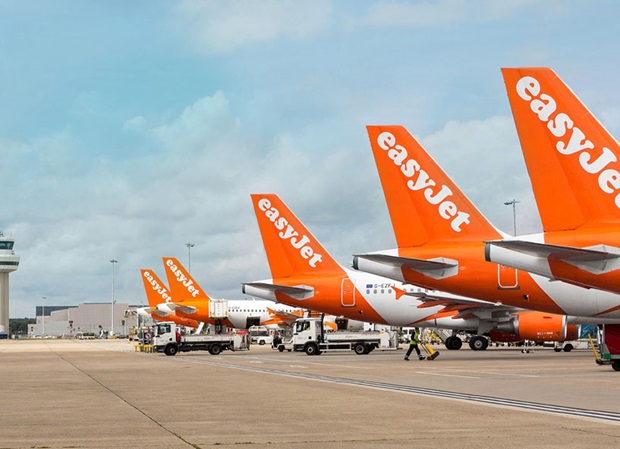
<point x="540" y="326"/>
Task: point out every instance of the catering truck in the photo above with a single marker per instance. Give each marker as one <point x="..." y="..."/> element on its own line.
<point x="310" y="337"/>
<point x="167" y="339"/>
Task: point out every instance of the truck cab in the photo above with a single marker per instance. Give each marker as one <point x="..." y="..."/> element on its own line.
<point x="164" y="335"/>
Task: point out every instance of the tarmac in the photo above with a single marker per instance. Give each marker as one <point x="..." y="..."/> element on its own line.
<point x="103" y="394"/>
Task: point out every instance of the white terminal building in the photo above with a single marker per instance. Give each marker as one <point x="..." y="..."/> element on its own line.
<point x="8" y="263"/>
<point x="89" y="318"/>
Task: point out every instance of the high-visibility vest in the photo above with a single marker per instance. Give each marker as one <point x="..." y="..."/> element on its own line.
<point x="415" y="338"/>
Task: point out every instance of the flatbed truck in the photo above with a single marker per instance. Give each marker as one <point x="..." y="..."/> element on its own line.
<point x="309" y="336"/>
<point x="167" y="340"/>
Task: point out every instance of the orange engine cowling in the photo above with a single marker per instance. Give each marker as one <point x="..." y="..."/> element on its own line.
<point x="540" y="326"/>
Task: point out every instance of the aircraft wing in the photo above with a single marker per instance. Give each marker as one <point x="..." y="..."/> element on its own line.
<point x="438" y="268"/>
<point x="282" y="315"/>
<point x="596" y="259"/>
<point x="463" y="305"/>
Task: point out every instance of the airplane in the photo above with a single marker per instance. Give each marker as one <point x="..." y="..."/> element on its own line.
<point x="305" y="275"/>
<point x="193" y="302"/>
<point x="440" y="237"/>
<point x="573" y="165"/>
<point x="157" y="293"/>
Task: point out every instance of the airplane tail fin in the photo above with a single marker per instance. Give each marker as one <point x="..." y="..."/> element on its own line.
<point x="183" y="286"/>
<point x="291" y="248"/>
<point x="425" y="205"/>
<point x="156" y="291"/>
<point x="571" y="158"/>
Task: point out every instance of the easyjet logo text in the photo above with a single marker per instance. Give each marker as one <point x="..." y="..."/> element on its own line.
<point x="420" y="181"/>
<point x="288" y="233"/>
<point x="570" y="138"/>
<point x="160" y="289"/>
<point x="182" y="279"/>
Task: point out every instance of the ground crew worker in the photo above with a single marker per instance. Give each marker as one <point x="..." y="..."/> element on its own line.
<point x="414" y="340"/>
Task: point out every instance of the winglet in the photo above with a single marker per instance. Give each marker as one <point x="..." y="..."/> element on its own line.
<point x="425" y="205"/>
<point x="182" y="285"/>
<point x="291" y="248"/>
<point x="572" y="160"/>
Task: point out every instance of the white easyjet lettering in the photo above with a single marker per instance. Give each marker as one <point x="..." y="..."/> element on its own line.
<point x="160" y="289"/>
<point x="187" y="283"/>
<point x="594" y="162"/>
<point x="423" y="182"/>
<point x="289" y="233"/>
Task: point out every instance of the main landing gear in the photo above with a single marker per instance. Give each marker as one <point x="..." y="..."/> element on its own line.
<point x="476" y="343"/>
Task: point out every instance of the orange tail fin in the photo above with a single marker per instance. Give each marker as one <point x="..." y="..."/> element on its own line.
<point x="156" y="291"/>
<point x="291" y="249"/>
<point x="572" y="160"/>
<point x="182" y="285"/>
<point x="425" y="205"/>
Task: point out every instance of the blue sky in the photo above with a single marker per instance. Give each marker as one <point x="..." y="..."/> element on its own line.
<point x="128" y="129"/>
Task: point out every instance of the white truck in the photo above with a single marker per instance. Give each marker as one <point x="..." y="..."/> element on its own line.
<point x="309" y="336"/>
<point x="260" y="335"/>
<point x="166" y="340"/>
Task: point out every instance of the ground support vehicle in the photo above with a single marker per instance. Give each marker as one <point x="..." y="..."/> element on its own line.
<point x="166" y="339"/>
<point x="309" y="336"/>
<point x="607" y="351"/>
<point x="260" y="335"/>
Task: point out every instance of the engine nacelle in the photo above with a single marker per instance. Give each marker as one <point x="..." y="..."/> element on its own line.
<point x="540" y="326"/>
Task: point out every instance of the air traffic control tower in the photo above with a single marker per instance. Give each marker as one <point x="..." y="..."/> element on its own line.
<point x="8" y="263"/>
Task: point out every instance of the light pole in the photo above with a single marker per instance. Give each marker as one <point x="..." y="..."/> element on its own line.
<point x="514" y="213"/>
<point x="189" y="257"/>
<point x="43" y="313"/>
<point x="112" y="261"/>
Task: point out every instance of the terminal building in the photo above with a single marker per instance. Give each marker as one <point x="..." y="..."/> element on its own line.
<point x="84" y="319"/>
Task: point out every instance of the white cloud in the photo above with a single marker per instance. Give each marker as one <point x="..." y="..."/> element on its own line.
<point x="484" y="158"/>
<point x="217" y="27"/>
<point x="135" y="123"/>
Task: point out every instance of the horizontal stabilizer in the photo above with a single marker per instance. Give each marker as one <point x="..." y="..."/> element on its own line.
<point x="149" y="312"/>
<point x="297" y="292"/>
<point x="438" y="268"/>
<point x="173" y="307"/>
<point x="597" y="259"/>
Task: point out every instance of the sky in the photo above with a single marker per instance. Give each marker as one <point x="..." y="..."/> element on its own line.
<point x="129" y="129"/>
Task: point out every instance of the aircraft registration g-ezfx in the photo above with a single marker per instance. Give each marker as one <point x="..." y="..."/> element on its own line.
<point x="574" y="167"/>
<point x="192" y="301"/>
<point x="440" y="236"/>
<point x="305" y="275"/>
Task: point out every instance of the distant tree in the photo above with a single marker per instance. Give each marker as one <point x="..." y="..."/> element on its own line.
<point x="20" y="325"/>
